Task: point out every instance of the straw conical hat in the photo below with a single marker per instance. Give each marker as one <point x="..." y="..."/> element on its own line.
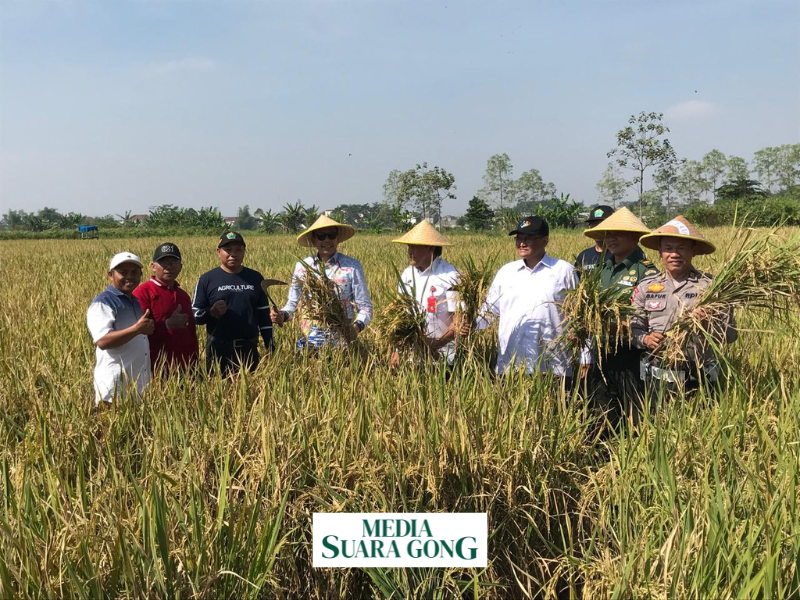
<point x="423" y="234"/>
<point x="679" y="227"/>
<point x="345" y="231"/>
<point x="622" y="220"/>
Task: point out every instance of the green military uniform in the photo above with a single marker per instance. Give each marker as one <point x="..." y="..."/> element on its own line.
<point x="615" y="379"/>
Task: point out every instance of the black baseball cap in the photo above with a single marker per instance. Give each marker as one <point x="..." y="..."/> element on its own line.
<point x="532" y="226"/>
<point x="230" y="237"/>
<point x="166" y="249"/>
<point x="599" y="213"/>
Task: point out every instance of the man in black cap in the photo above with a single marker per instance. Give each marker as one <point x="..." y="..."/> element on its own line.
<point x="524" y="298"/>
<point x="229" y="301"/>
<point x="591" y="257"/>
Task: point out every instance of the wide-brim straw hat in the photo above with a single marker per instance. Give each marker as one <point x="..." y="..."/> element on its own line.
<point x="423" y="234"/>
<point x="622" y="220"/>
<point x="345" y="231"/>
<point x="678" y="227"/>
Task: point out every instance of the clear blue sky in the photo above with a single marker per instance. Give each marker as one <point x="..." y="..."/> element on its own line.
<point x="107" y="106"/>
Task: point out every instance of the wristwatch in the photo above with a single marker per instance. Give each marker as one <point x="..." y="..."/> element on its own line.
<point x="360" y="325"/>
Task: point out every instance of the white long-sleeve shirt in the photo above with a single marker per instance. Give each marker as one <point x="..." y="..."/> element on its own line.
<point x="530" y="321"/>
<point x="433" y="290"/>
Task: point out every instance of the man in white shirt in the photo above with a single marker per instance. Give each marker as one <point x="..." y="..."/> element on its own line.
<point x="524" y="296"/>
<point x="430" y="278"/>
<point x="119" y="330"/>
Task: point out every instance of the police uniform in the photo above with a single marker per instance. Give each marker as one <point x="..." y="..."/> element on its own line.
<point x="658" y="302"/>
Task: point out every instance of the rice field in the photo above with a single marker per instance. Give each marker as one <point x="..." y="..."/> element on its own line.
<point x="206" y="489"/>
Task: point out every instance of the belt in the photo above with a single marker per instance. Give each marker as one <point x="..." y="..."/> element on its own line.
<point x="646" y="368"/>
<point x="240" y="343"/>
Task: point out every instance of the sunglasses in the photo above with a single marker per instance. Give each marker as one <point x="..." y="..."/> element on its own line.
<point x="326" y="236"/>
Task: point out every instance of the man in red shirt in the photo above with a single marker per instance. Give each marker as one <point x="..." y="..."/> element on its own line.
<point x="174" y="341"/>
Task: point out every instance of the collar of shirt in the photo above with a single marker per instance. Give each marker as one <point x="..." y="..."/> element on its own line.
<point x="547" y="261"/>
<point x="629" y="261"/>
<point x="115" y="291"/>
<point x="692" y="276"/>
<point x="431" y="267"/>
<point x="159" y="284"/>
<point x="333" y="260"/>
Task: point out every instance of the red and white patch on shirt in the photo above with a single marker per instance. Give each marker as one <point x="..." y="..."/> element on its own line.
<point x="654" y="304"/>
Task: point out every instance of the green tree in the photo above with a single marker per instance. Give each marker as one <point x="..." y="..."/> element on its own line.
<point x="714" y="163"/>
<point x="691" y="183"/>
<point x="497" y="180"/>
<point x="736" y="168"/>
<point x="14" y="219"/>
<point x="478" y="216"/>
<point x="613" y="186"/>
<point x="530" y="190"/>
<point x="293" y="217"/>
<point x="741" y="191"/>
<point x="50" y="216"/>
<point x="787" y="168"/>
<point x="268" y="222"/>
<point x="666" y="179"/>
<point x="426" y="189"/>
<point x="641" y="145"/>
<point x="765" y="164"/>
<point x="244" y="220"/>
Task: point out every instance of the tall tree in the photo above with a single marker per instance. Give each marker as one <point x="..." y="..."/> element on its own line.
<point x="765" y="164"/>
<point x="713" y="168"/>
<point x="393" y="190"/>
<point x="691" y="182"/>
<point x="478" y="216"/>
<point x="640" y="146"/>
<point x="613" y="186"/>
<point x="497" y="180"/>
<point x="268" y="222"/>
<point x="787" y="168"/>
<point x="736" y="168"/>
<point x="666" y="179"/>
<point x="244" y="220"/>
<point x="530" y="190"/>
<point x="426" y="189"/>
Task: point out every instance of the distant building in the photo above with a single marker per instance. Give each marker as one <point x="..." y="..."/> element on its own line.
<point x="139" y="218"/>
<point x="447" y="221"/>
<point x="229" y="221"/>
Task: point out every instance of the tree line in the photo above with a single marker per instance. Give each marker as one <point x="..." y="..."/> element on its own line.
<point x="710" y="191"/>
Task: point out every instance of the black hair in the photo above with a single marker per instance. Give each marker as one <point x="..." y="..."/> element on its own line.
<point x="437" y="251"/>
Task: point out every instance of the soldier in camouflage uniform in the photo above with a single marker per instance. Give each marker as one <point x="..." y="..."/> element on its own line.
<point x="660" y="300"/>
<point x="614" y="381"/>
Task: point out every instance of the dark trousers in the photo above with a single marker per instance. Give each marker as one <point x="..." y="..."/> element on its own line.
<point x="232" y="355"/>
<point x="615" y="386"/>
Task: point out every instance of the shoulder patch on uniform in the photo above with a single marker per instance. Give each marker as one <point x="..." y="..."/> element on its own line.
<point x="655" y="287"/>
<point x="646" y="262"/>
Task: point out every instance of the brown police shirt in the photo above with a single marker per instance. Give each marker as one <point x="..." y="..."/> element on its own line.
<point x="659" y="300"/>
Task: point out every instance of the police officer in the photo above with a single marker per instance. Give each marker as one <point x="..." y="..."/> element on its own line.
<point x="614" y="380"/>
<point x="661" y="299"/>
<point x="591" y="257"/>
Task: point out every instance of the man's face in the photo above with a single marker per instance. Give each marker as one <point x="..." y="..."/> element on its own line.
<point x="326" y="241"/>
<point x="677" y="255"/>
<point x="621" y="243"/>
<point x="530" y="246"/>
<point x="167" y="269"/>
<point x="420" y="256"/>
<point x="126" y="277"/>
<point x="231" y="255"/>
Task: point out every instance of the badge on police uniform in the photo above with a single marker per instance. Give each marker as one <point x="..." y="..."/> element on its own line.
<point x="655" y="287"/>
<point x="654" y="304"/>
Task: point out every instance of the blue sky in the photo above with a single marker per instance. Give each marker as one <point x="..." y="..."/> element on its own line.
<point x="107" y="106"/>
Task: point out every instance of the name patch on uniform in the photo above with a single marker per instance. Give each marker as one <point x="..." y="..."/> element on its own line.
<point x="654" y="304"/>
<point x="655" y="287"/>
<point x="693" y="295"/>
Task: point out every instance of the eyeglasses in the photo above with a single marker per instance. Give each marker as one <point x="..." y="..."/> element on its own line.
<point x="326" y="236"/>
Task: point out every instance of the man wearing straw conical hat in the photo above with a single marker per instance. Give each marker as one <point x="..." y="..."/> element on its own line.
<point x="614" y="382"/>
<point x="325" y="235"/>
<point x="430" y="278"/>
<point x="660" y="300"/>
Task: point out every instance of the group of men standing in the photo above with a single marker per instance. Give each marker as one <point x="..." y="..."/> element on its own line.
<point x="138" y="328"/>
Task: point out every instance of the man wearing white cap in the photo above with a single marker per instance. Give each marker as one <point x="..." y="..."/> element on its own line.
<point x="119" y="329"/>
<point x="430" y="278"/>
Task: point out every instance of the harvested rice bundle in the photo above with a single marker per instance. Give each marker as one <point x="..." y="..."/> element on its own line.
<point x="405" y="324"/>
<point x="762" y="274"/>
<point x="473" y="285"/>
<point x="595" y="316"/>
<point x="319" y="295"/>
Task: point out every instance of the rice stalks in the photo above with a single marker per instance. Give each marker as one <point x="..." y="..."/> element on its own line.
<point x="405" y="324"/>
<point x="321" y="302"/>
<point x="596" y="316"/>
<point x="761" y="275"/>
<point x="473" y="285"/>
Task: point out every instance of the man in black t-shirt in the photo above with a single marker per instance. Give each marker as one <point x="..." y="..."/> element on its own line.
<point x="229" y="301"/>
<point x="591" y="257"/>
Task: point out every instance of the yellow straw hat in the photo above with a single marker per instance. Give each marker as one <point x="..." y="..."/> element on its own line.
<point x="345" y="231"/>
<point x="622" y="220"/>
<point x="423" y="234"/>
<point x="679" y="227"/>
